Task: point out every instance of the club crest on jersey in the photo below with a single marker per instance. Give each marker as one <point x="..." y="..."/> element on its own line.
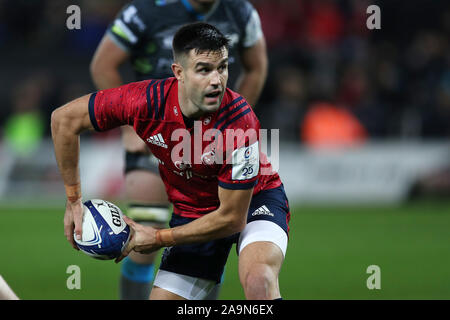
<point x="158" y="140"/>
<point x="209" y="158"/>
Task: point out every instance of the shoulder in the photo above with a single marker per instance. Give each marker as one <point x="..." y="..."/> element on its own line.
<point x="157" y="93"/>
<point x="131" y="24"/>
<point x="241" y="9"/>
<point x="154" y="6"/>
<point x="148" y="11"/>
<point x="136" y="8"/>
<point x="235" y="113"/>
<point x="142" y="5"/>
<point x="127" y="94"/>
<point x="247" y="19"/>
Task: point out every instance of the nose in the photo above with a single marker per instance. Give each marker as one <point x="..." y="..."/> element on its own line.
<point x="215" y="78"/>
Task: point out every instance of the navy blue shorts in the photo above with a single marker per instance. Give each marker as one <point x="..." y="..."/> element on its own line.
<point x="207" y="260"/>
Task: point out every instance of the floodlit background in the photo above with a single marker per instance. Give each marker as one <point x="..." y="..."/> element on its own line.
<point x="364" y="120"/>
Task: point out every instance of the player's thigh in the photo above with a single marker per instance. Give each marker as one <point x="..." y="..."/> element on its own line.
<point x="172" y="285"/>
<point x="261" y="258"/>
<point x="144" y="186"/>
<point x="263" y="243"/>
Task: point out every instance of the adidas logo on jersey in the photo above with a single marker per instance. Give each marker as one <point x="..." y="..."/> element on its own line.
<point x="262" y="210"/>
<point x="158" y="140"/>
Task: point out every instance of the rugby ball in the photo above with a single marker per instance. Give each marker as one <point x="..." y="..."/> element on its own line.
<point x="104" y="232"/>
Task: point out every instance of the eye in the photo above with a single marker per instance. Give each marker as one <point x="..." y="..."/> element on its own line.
<point x="203" y="70"/>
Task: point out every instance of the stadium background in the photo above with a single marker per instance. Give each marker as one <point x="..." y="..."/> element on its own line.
<point x="364" y="146"/>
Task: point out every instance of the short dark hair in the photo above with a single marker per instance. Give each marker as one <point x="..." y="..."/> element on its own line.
<point x="200" y="36"/>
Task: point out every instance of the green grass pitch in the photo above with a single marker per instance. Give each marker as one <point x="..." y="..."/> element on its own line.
<point x="329" y="251"/>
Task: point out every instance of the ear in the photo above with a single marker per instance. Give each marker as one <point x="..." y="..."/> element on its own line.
<point x="177" y="70"/>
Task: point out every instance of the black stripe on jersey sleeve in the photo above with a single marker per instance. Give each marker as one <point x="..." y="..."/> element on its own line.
<point x="235" y="118"/>
<point x="149" y="101"/>
<point x="91" y="106"/>
<point x="155" y="99"/>
<point x="232" y="103"/>
<point x="238" y="186"/>
<point x="226" y="115"/>
<point x="161" y="101"/>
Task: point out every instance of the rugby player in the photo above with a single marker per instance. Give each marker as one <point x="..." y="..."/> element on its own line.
<point x="142" y="33"/>
<point x="206" y="139"/>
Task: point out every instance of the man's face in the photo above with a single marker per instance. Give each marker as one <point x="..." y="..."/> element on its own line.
<point x="205" y="77"/>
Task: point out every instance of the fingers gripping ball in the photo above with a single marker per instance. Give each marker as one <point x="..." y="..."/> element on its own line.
<point x="104" y="232"/>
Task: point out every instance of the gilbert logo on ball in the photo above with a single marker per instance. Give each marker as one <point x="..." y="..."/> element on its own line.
<point x="104" y="232"/>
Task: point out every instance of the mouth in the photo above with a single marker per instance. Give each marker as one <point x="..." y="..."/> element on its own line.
<point x="213" y="96"/>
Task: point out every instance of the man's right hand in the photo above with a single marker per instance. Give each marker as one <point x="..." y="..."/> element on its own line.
<point x="143" y="239"/>
<point x="73" y="220"/>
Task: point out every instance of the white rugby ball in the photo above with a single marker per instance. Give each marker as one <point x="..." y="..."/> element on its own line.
<point x="104" y="232"/>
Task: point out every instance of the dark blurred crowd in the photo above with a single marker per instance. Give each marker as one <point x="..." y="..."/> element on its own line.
<point x="331" y="79"/>
<point x="332" y="76"/>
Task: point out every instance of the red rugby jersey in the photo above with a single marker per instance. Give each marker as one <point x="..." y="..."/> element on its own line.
<point x="221" y="149"/>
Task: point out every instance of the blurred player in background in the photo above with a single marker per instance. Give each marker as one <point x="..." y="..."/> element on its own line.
<point x="142" y="34"/>
<point x="222" y="187"/>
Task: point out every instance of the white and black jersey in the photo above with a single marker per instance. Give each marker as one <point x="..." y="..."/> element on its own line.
<point x="145" y="29"/>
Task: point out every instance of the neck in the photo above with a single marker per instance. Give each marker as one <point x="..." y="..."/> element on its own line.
<point x="201" y="7"/>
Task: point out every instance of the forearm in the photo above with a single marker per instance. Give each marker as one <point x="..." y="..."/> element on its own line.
<point x="66" y="127"/>
<point x="213" y="225"/>
<point x="228" y="219"/>
<point x="67" y="150"/>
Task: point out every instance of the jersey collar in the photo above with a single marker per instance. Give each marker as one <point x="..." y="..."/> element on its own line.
<point x="207" y="119"/>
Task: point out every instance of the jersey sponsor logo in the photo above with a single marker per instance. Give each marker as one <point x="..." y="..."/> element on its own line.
<point x="263" y="210"/>
<point x="158" y="140"/>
